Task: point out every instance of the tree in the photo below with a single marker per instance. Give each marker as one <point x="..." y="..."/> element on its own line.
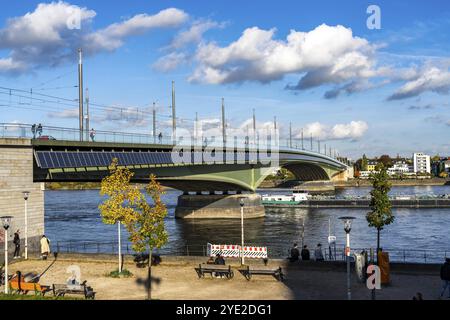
<point x="386" y="160"/>
<point x="364" y="163"/>
<point x="118" y="208"/>
<point x="147" y="229"/>
<point x="381" y="214"/>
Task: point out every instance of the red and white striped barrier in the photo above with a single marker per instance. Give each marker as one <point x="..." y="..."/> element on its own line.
<point x="234" y="251"/>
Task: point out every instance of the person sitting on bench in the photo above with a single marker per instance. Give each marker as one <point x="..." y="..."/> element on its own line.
<point x="219" y="261"/>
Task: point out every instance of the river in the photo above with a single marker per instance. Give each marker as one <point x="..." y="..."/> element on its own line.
<point x="74" y="216"/>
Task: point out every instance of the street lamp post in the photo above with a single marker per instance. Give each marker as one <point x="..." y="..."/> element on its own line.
<point x="26" y="194"/>
<point x="6" y="222"/>
<point x="347" y="228"/>
<point x="242" y="203"/>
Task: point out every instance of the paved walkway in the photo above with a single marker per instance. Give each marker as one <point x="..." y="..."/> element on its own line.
<point x="176" y="279"/>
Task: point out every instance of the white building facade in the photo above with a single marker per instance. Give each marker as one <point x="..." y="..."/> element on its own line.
<point x="422" y="163"/>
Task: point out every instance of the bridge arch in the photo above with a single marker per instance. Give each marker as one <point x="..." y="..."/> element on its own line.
<point x="307" y="171"/>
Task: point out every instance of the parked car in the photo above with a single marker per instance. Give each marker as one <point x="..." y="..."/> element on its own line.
<point x="45" y="138"/>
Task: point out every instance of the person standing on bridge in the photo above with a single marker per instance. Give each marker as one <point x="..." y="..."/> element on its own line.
<point x="39" y="129"/>
<point x="160" y="137"/>
<point x="92" y="134"/>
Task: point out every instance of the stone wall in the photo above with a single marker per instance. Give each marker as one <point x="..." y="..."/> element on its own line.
<point x="16" y="176"/>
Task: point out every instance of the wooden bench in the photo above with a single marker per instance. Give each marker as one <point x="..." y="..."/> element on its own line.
<point x="214" y="269"/>
<point x="22" y="287"/>
<point x="268" y="271"/>
<point x="60" y="290"/>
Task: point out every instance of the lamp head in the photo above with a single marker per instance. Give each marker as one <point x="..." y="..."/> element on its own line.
<point x="347" y="223"/>
<point x="6" y="221"/>
<point x="241" y="202"/>
<point x="26" y="194"/>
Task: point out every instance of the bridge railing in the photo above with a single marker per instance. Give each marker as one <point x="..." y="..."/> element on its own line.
<point x="18" y="130"/>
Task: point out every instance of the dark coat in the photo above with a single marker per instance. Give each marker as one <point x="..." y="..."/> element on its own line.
<point x="295" y="254"/>
<point x="445" y="271"/>
<point x="305" y="254"/>
<point x="16" y="240"/>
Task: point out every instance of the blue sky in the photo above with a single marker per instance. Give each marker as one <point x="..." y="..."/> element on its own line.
<point x="359" y="90"/>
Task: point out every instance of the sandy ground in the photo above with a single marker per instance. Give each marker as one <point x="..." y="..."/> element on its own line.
<point x="180" y="282"/>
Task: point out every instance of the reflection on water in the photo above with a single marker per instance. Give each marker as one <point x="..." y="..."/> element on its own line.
<point x="73" y="215"/>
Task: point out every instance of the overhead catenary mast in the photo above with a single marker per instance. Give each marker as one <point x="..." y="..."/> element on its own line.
<point x="87" y="115"/>
<point x="80" y="91"/>
<point x="174" y="115"/>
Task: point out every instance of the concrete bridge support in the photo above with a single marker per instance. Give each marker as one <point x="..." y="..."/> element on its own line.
<point x="213" y="206"/>
<point x="16" y="176"/>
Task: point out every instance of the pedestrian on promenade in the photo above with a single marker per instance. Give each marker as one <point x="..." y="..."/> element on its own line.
<point x="219" y="260"/>
<point x="92" y="134"/>
<point x="445" y="277"/>
<point x="305" y="253"/>
<point x="318" y="253"/>
<point x="45" y="247"/>
<point x="295" y="253"/>
<point x="16" y="242"/>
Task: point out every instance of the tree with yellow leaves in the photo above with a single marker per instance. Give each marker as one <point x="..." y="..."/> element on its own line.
<point x="147" y="229"/>
<point x="122" y="198"/>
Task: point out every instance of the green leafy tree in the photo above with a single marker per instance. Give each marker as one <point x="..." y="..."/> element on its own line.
<point x="118" y="207"/>
<point x="147" y="229"/>
<point x="380" y="204"/>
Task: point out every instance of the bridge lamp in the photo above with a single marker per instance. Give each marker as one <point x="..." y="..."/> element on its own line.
<point x="26" y="194"/>
<point x="6" y="222"/>
<point x="242" y="204"/>
<point x="347" y="228"/>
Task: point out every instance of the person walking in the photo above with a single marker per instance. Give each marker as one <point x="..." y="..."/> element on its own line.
<point x="16" y="242"/>
<point x="445" y="277"/>
<point x="45" y="247"/>
<point x="305" y="253"/>
<point x="295" y="253"/>
<point x="160" y="137"/>
<point x="318" y="253"/>
<point x="39" y="129"/>
<point x="92" y="134"/>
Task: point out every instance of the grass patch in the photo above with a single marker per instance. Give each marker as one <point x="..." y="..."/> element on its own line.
<point x="32" y="297"/>
<point x="116" y="274"/>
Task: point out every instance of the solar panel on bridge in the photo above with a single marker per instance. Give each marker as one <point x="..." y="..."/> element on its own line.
<point x="61" y="159"/>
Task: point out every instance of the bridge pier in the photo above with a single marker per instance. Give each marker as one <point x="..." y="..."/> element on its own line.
<point x="215" y="206"/>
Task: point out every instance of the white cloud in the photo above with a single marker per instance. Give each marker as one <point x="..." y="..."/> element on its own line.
<point x="170" y="61"/>
<point x="327" y="55"/>
<point x="194" y="34"/>
<point x="44" y="37"/>
<point x="432" y="79"/>
<point x="112" y="37"/>
<point x="352" y="130"/>
<point x="65" y="114"/>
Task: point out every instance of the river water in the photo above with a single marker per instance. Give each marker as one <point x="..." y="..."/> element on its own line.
<point x="416" y="233"/>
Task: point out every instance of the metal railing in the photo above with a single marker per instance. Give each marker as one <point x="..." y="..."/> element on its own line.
<point x="431" y="256"/>
<point x="18" y="130"/>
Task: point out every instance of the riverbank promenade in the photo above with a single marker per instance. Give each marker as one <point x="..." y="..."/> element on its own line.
<point x="176" y="279"/>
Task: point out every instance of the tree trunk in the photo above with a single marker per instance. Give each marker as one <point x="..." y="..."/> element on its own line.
<point x="149" y="275"/>
<point x="120" y="247"/>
